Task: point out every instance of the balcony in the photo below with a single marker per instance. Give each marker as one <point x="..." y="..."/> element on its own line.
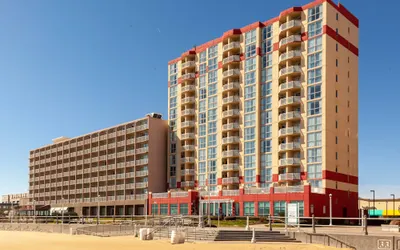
<point x="289" y="101"/>
<point x="188" y="64"/>
<point x="142" y="127"/>
<point x="289" y="25"/>
<point x="142" y="173"/>
<point x="187" y="160"/>
<point x="230" y="192"/>
<point x="231" y="99"/>
<point x="288" y="189"/>
<point x="141" y="184"/>
<point x="256" y="191"/>
<point x="188" y="88"/>
<point x="142" y="150"/>
<point x="179" y="194"/>
<point x="230" y="140"/>
<point x="289" y="131"/>
<point x="289" y="115"/>
<point x="230" y="167"/>
<point x="289" y="40"/>
<point x="230" y="113"/>
<point x="188" y="147"/>
<point x="231" y="59"/>
<point x="188" y="172"/>
<point x="231" y="86"/>
<point x="188" y="100"/>
<point x="160" y="195"/>
<point x="188" y="124"/>
<point x="187" y="136"/>
<point x="188" y="76"/>
<point x="231" y="45"/>
<point x="130" y="130"/>
<point x="142" y="138"/>
<point x="187" y="184"/>
<point x="230" y="126"/>
<point x="289" y="55"/>
<point x="230" y="180"/>
<point x="141" y="197"/>
<point x="142" y="162"/>
<point x="290" y="70"/>
<point x="188" y="112"/>
<point x="289" y="177"/>
<point x="317" y="190"/>
<point x="231" y="72"/>
<point x="289" y="146"/>
<point x="289" y="161"/>
<point x="230" y="153"/>
<point x="208" y="193"/>
<point x="290" y="85"/>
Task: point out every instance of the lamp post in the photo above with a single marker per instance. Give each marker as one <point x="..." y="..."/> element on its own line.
<point x="394" y="207"/>
<point x="200" y="208"/>
<point x="373" y="199"/>
<point x="98" y="209"/>
<point x="330" y="209"/>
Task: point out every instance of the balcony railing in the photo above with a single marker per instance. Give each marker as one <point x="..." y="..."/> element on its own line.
<point x="230" y="126"/>
<point x="230" y="192"/>
<point x="142" y="127"/>
<point x="256" y="191"/>
<point x="187" y="184"/>
<point x="289" y="115"/>
<point x="289" y="146"/>
<point x="188" y="172"/>
<point x="141" y="184"/>
<point x="289" y="177"/>
<point x="142" y="161"/>
<point x="290" y="39"/>
<point x="188" y="76"/>
<point x="188" y="147"/>
<point x="179" y="194"/>
<point x="230" y="153"/>
<point x="289" y="100"/>
<point x="231" y="86"/>
<point x="289" y="131"/>
<point x="188" y="112"/>
<point x="290" y="24"/>
<point x="188" y="100"/>
<point x="141" y="197"/>
<point x="289" y="189"/>
<point x="289" y="161"/>
<point x="209" y="193"/>
<point x="289" y="55"/>
<point x="230" y="167"/>
<point x="188" y="124"/>
<point x="142" y="150"/>
<point x="130" y="152"/>
<point x="230" y="113"/>
<point x="290" y="70"/>
<point x="231" y="99"/>
<point x="231" y="45"/>
<point x="160" y="195"/>
<point x="230" y="180"/>
<point x="290" y="85"/>
<point x="186" y="136"/>
<point x="317" y="190"/>
<point x="187" y="160"/>
<point x="230" y="139"/>
<point x="231" y="72"/>
<point x="229" y="59"/>
<point x="188" y="64"/>
<point x="142" y="173"/>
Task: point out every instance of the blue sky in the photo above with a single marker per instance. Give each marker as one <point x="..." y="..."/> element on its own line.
<point x="71" y="67"/>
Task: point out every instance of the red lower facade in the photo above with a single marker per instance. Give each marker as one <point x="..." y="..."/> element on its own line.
<point x="344" y="203"/>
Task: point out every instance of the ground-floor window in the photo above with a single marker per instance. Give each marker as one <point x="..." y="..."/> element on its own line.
<point x="249" y="209"/>
<point x="263" y="208"/>
<point x="279" y="208"/>
<point x="173" y="209"/>
<point x="164" y="209"/>
<point x="183" y="209"/>
<point x="301" y="207"/>
<point x="237" y="208"/>
<point x="154" y="209"/>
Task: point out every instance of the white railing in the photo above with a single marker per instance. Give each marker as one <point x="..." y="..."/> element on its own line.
<point x="230" y="139"/>
<point x="142" y="127"/>
<point x="188" y="112"/>
<point x="188" y="136"/>
<point x="179" y="194"/>
<point x="188" y="100"/>
<point x="289" y="146"/>
<point x="141" y="196"/>
<point x="142" y="138"/>
<point x="289" y="100"/>
<point x="188" y="172"/>
<point x="187" y="124"/>
<point x="231" y="45"/>
<point x="187" y="183"/>
<point x="233" y="58"/>
<point x="208" y="193"/>
<point x="187" y="160"/>
<point x="230" y="167"/>
<point x="290" y="24"/>
<point x="290" y="70"/>
<point x="290" y="39"/>
<point x="231" y="99"/>
<point x="289" y="161"/>
<point x="188" y="64"/>
<point x="142" y="150"/>
<point x="141" y="184"/>
<point x="230" y="153"/>
<point x="142" y="173"/>
<point x="142" y="161"/>
<point x="289" y="55"/>
<point x="289" y="115"/>
<point x="188" y="76"/>
<point x="230" y="86"/>
<point x="188" y="147"/>
<point x="230" y="180"/>
<point x="230" y="192"/>
<point x="289" y="189"/>
<point x="230" y="126"/>
<point x="160" y="195"/>
<point x="256" y="191"/>
<point x="317" y="190"/>
<point x="289" y="130"/>
<point x="289" y="176"/>
<point x="231" y="72"/>
<point x="232" y="112"/>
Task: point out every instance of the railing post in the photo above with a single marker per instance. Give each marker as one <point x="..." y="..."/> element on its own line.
<point x="253" y="239"/>
<point x="365" y="225"/>
<point x="247" y="224"/>
<point x="313" y="224"/>
<point x="270" y="222"/>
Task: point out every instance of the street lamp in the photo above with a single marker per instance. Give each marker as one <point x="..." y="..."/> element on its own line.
<point x="394" y="200"/>
<point x="98" y="209"/>
<point x="373" y="200"/>
<point x="330" y="209"/>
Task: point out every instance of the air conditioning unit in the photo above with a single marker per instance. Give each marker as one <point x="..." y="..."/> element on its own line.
<point x="155" y="115"/>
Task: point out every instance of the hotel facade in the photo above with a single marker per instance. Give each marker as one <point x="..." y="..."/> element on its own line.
<point x="113" y="169"/>
<point x="266" y="115"/>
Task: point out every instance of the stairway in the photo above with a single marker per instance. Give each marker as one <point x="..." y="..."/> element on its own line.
<point x="261" y="236"/>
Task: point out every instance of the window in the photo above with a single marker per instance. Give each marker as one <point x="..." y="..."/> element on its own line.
<point x="173" y="69"/>
<point x="249" y="175"/>
<point x="202" y="130"/>
<point x="250" y="50"/>
<point x="212" y="114"/>
<point x="249" y="161"/>
<point x="266" y="103"/>
<point x="172" y="102"/>
<point x="300" y="205"/>
<point x="250" y="37"/>
<point x="267" y="60"/>
<point x="202" y="155"/>
<point x="250" y="78"/>
<point x="314" y="155"/>
<point x="212" y="127"/>
<point x="314" y="139"/>
<point x="202" y="106"/>
<point x="213" y="51"/>
<point x="315" y="44"/>
<point x="249" y="105"/>
<point x="202" y="81"/>
<point x="337" y="108"/>
<point x="315" y="29"/>
<point x="337" y="63"/>
<point x="202" y="94"/>
<point x="212" y="64"/>
<point x="212" y="153"/>
<point x="337" y="93"/>
<point x="336" y="124"/>
<point x="266" y="75"/>
<point x="212" y="76"/>
<point x="266" y="175"/>
<point x="279" y="208"/>
<point x="337" y="47"/>
<point x="154" y="209"/>
<point x="267" y="32"/>
<point x="266" y="146"/>
<point x="183" y="209"/>
<point x="172" y="114"/>
<point x="337" y="155"/>
<point x="250" y="64"/>
<point x="173" y="80"/>
<point x="173" y="209"/>
<point x="314" y="75"/>
<point x="164" y="209"/>
<point x="249" y="133"/>
<point x="212" y="178"/>
<point x="249" y="147"/>
<point x="314" y="107"/>
<point x="314" y="171"/>
<point x="337" y="78"/>
<point x="173" y="148"/>
<point x="337" y="16"/>
<point x="212" y="166"/>
<point x="315" y="13"/>
<point x="202" y="178"/>
<point x="203" y="56"/>
<point x="202" y="142"/>
<point x="172" y="159"/>
<point x="316" y="183"/>
<point x="248" y="208"/>
<point x="263" y="208"/>
<point x="249" y="120"/>
<point x="315" y="60"/>
<point x="314" y="92"/>
<point x="337" y="140"/>
<point x="266" y="89"/>
<point x="250" y="92"/>
<point x="202" y="118"/>
<point x="212" y="89"/>
<point x="266" y="131"/>
<point x="212" y="140"/>
<point x="172" y="91"/>
<point x="267" y="46"/>
<point x="212" y="102"/>
<point x="266" y="117"/>
<point x="202" y="69"/>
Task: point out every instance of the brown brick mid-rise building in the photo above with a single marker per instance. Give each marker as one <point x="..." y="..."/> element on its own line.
<point x="115" y="167"/>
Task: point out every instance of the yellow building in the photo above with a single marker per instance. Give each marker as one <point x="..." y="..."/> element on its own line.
<point x="389" y="207"/>
<point x="267" y="114"/>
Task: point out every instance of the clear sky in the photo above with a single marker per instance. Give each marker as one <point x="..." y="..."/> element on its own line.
<point x="71" y="67"/>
